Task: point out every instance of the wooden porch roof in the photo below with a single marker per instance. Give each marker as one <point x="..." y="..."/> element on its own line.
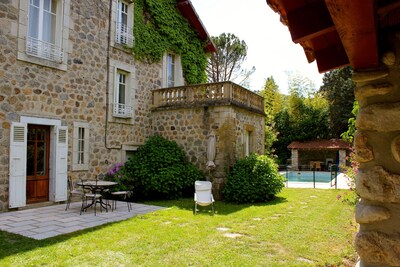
<point x="338" y="33"/>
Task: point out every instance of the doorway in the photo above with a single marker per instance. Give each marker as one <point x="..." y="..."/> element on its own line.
<point x="37" y="164"/>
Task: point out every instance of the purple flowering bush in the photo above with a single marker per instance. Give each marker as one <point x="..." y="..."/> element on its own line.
<point x="118" y="174"/>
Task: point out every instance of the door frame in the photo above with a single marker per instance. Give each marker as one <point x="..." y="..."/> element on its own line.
<point x="52" y="123"/>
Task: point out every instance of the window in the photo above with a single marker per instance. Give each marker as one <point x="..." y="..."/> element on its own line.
<point x="122" y="107"/>
<point x="124" y="31"/>
<point x="248" y="143"/>
<point x="172" y="75"/>
<point x="80" y="151"/>
<point x="41" y="40"/>
<point x="43" y="32"/>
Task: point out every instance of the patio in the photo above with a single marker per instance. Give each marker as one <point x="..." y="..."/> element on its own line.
<point x="45" y="222"/>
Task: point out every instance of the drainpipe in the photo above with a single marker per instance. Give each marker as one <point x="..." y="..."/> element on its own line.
<point x="108" y="74"/>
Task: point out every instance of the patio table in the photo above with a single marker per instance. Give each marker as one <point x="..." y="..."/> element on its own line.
<point x="97" y="187"/>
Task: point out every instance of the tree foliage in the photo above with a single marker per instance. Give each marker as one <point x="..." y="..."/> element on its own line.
<point x="338" y="89"/>
<point x="351" y="130"/>
<point x="225" y="64"/>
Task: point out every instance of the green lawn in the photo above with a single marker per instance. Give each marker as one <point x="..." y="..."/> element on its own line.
<point x="302" y="227"/>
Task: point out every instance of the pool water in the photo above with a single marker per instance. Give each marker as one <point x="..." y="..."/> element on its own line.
<point x="307" y="176"/>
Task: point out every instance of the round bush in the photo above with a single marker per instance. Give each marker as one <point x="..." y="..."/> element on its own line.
<point x="161" y="171"/>
<point x="253" y="179"/>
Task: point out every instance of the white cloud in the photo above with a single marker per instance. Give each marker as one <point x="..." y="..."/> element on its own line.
<point x="270" y="48"/>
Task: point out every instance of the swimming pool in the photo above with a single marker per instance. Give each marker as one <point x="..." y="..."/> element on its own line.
<point x="307" y="176"/>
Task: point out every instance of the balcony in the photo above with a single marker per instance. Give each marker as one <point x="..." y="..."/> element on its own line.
<point x="124" y="35"/>
<point x="45" y="50"/>
<point x="122" y="110"/>
<point x="211" y="94"/>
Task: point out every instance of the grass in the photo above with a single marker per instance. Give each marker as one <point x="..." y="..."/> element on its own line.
<point x="301" y="227"/>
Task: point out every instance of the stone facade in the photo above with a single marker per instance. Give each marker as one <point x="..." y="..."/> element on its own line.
<point x="79" y="90"/>
<point x="378" y="182"/>
<point x="190" y="128"/>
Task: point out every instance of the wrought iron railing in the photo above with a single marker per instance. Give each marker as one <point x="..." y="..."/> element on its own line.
<point x="211" y="93"/>
<point x="45" y="50"/>
<point x="124" y="35"/>
<point x="122" y="110"/>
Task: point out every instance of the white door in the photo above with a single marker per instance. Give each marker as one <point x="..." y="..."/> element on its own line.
<point x="17" y="174"/>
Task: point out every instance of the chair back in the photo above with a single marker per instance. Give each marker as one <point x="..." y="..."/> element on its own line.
<point x="69" y="184"/>
<point x="203" y="192"/>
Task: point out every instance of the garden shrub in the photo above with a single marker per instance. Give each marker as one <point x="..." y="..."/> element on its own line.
<point x="253" y="179"/>
<point x="160" y="170"/>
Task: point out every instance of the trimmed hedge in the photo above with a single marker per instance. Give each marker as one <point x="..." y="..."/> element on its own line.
<point x="253" y="179"/>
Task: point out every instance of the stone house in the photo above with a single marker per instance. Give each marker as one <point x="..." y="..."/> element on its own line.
<point x="74" y="101"/>
<point x="364" y="35"/>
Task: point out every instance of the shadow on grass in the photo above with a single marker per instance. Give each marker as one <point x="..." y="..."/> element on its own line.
<point x="221" y="207"/>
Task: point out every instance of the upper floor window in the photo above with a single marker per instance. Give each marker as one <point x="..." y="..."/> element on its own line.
<point x="42" y="35"/>
<point x="172" y="75"/>
<point x="122" y="102"/>
<point x="124" y="31"/>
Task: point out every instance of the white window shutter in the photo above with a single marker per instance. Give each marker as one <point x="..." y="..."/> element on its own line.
<point x="61" y="164"/>
<point x="17" y="176"/>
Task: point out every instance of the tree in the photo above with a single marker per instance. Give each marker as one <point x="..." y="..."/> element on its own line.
<point x="351" y="130"/>
<point x="338" y="89"/>
<point x="225" y="64"/>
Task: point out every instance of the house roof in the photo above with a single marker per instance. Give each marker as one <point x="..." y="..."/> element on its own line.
<point x="187" y="10"/>
<point x="338" y="33"/>
<point x="333" y="144"/>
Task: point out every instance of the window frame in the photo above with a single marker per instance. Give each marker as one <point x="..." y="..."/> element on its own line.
<point x="125" y="111"/>
<point x="124" y="32"/>
<point x="27" y="47"/>
<point x="80" y="146"/>
<point x="177" y="77"/>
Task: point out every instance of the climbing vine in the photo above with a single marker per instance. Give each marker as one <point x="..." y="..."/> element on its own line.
<point x="158" y="28"/>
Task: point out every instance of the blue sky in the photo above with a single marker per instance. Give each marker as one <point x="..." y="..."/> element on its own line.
<point x="270" y="48"/>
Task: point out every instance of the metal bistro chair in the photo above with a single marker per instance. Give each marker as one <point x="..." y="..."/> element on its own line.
<point x="120" y="195"/>
<point x="72" y="191"/>
<point x="91" y="192"/>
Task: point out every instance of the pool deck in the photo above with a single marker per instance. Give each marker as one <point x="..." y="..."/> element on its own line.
<point x="342" y="183"/>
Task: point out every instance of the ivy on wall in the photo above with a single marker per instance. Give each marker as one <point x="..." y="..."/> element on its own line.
<point x="158" y="28"/>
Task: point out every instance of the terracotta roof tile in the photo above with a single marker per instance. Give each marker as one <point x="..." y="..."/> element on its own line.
<point x="333" y="144"/>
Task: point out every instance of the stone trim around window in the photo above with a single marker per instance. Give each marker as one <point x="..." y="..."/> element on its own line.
<point x="62" y="38"/>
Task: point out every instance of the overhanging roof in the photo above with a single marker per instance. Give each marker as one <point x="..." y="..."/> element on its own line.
<point x="338" y="33"/>
<point x="187" y="10"/>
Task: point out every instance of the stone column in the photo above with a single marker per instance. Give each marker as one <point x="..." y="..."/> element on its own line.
<point x="295" y="159"/>
<point x="377" y="146"/>
<point x="342" y="158"/>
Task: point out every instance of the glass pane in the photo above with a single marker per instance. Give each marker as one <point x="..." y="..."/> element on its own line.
<point x="54" y="6"/>
<point x="41" y="158"/>
<point x="47" y="5"/>
<point x="49" y="23"/>
<point x="121" y="94"/>
<point x="33" y="29"/>
<point x="30" y="158"/>
<point x="171" y="70"/>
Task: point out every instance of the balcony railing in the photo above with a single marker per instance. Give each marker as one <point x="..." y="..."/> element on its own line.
<point x="124" y="35"/>
<point x="122" y="110"/>
<point x="45" y="50"/>
<point x="221" y="93"/>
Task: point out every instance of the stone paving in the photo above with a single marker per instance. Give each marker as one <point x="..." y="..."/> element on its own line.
<point x="45" y="222"/>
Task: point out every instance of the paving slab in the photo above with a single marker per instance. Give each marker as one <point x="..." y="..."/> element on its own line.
<point x="46" y="222"/>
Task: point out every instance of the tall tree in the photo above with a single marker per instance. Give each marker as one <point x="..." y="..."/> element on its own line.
<point x="338" y="89"/>
<point x="225" y="64"/>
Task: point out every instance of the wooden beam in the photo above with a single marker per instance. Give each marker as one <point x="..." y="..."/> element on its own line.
<point x="309" y="21"/>
<point x="356" y="26"/>
<point x="331" y="58"/>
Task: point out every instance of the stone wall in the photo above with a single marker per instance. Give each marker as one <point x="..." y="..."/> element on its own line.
<point x="378" y="151"/>
<point x="77" y="94"/>
<point x="190" y="128"/>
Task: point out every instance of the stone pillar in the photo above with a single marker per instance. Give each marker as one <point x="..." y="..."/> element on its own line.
<point x="377" y="145"/>
<point x="295" y="159"/>
<point x="342" y="158"/>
